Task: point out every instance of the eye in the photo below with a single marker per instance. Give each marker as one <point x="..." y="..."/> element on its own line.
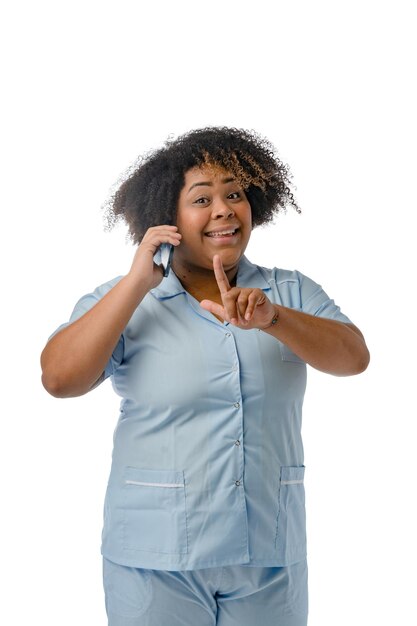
<point x="236" y="194"/>
<point x="198" y="201"/>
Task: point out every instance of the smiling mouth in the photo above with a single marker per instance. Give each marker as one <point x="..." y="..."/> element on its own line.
<point x="223" y="233"/>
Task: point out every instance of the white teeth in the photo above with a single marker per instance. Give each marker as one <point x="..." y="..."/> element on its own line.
<point x="222" y="233"/>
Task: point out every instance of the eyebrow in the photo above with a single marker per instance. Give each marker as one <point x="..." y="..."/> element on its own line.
<point x="210" y="184"/>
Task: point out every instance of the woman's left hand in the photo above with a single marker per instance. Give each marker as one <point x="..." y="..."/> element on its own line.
<point x="244" y="307"/>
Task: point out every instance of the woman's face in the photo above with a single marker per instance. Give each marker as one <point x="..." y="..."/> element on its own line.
<point x="214" y="217"/>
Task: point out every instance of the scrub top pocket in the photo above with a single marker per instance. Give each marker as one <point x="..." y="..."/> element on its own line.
<point x="289" y="355"/>
<point x="290" y="539"/>
<point x="154" y="513"/>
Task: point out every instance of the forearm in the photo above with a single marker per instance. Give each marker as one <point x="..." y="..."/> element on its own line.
<point x="75" y="358"/>
<point x="327" y="345"/>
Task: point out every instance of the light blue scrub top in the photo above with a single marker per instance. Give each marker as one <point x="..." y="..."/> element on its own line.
<point x="207" y="466"/>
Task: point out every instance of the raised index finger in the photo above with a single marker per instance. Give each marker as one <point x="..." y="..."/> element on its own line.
<point x="220" y="275"/>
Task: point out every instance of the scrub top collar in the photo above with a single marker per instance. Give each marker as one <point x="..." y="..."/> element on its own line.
<point x="248" y="275"/>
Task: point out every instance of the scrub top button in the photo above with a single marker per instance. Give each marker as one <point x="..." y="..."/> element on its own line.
<point x="236" y="405"/>
<point x="237" y="483"/>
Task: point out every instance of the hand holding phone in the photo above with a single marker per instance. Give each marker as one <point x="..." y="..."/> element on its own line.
<point x="154" y="255"/>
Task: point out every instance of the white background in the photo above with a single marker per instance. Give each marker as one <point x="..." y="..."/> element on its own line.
<point x="88" y="86"/>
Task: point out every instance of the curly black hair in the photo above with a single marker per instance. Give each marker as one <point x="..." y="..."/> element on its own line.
<point x="149" y="193"/>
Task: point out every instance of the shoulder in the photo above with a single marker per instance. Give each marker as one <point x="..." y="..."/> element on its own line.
<point x="98" y="292"/>
<point x="290" y="288"/>
<point x="279" y="275"/>
<point x="90" y="299"/>
<point x="275" y="275"/>
<point x="104" y="288"/>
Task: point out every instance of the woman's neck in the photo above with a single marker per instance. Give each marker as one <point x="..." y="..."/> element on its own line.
<point x="201" y="283"/>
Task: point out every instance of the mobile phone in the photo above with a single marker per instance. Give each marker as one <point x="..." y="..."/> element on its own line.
<point x="167" y="250"/>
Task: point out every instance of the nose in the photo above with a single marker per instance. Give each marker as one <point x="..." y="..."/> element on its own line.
<point x="222" y="209"/>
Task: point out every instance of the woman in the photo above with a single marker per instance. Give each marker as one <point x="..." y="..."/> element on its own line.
<point x="204" y="514"/>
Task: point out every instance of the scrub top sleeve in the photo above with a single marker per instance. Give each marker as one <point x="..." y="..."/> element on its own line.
<point x="83" y="305"/>
<point x="315" y="301"/>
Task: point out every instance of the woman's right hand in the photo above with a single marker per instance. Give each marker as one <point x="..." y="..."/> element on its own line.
<point x="73" y="360"/>
<point x="143" y="267"/>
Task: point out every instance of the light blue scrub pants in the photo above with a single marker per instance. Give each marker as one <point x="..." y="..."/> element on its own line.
<point x="216" y="596"/>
